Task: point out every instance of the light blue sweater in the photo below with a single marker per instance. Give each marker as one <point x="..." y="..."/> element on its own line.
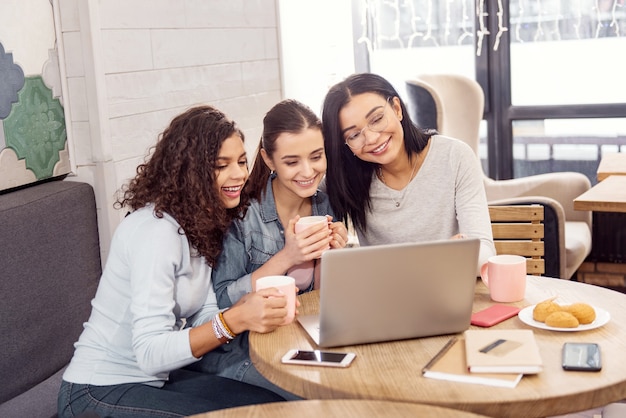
<point x="151" y="283"/>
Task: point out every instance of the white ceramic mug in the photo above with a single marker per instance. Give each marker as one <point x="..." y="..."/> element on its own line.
<point x="285" y="284"/>
<point x="505" y="276"/>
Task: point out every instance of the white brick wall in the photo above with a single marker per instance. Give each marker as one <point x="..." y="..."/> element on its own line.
<point x="131" y="65"/>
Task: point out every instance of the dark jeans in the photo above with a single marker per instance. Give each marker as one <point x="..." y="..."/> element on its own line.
<point x="233" y="361"/>
<point x="186" y="393"/>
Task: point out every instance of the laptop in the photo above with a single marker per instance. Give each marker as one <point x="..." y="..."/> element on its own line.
<point x="394" y="292"/>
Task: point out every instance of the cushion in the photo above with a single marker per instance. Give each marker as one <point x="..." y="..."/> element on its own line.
<point x="577" y="245"/>
<point x="40" y="401"/>
<point x="50" y="267"/>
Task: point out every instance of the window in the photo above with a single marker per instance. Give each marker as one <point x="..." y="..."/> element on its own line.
<point x="554" y="96"/>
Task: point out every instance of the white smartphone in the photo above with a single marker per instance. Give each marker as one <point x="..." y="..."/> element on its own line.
<point x="318" y="358"/>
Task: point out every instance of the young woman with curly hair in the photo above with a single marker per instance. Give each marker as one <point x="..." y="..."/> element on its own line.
<point x="155" y="310"/>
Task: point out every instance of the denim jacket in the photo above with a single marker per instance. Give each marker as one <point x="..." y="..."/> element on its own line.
<point x="250" y="242"/>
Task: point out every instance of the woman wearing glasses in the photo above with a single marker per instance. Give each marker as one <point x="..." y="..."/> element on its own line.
<point x="395" y="181"/>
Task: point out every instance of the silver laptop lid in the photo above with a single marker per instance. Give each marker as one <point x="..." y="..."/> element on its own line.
<point x="396" y="291"/>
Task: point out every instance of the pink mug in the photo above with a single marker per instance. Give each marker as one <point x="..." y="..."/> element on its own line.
<point x="303" y="273"/>
<point x="505" y="276"/>
<point x="285" y="284"/>
<point x="308" y="221"/>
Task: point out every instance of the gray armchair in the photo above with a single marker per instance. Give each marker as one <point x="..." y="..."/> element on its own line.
<point x="454" y="104"/>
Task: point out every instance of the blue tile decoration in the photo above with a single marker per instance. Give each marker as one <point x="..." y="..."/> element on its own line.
<point x="11" y="81"/>
<point x="35" y="128"/>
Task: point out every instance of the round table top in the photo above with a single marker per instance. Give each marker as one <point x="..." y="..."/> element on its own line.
<point x="392" y="370"/>
<point x="347" y="408"/>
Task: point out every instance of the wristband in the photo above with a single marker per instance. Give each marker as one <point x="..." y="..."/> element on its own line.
<point x="225" y="326"/>
<point x="221" y="330"/>
<point x="218" y="334"/>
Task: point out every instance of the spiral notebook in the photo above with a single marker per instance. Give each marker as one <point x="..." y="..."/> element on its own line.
<point x="393" y="292"/>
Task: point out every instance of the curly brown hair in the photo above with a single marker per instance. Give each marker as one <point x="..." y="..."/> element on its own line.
<point x="179" y="178"/>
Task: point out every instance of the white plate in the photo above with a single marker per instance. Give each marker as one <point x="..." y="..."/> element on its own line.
<point x="526" y="315"/>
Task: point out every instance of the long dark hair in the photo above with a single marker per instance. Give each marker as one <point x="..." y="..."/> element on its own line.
<point x="179" y="178"/>
<point x="289" y="116"/>
<point x="348" y="178"/>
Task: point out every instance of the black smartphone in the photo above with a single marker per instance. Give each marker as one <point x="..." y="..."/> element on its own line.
<point x="582" y="357"/>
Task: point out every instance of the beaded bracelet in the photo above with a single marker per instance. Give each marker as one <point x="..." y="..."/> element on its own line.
<point x="221" y="330"/>
<point x="223" y="327"/>
<point x="218" y="334"/>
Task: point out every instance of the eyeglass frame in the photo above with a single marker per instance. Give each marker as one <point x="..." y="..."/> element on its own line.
<point x="361" y="132"/>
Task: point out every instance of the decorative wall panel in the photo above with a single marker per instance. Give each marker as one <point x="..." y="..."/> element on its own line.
<point x="35" y="129"/>
<point x="33" y="136"/>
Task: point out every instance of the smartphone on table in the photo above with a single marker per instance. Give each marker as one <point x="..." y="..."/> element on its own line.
<point x="583" y="357"/>
<point x="493" y="315"/>
<point x="318" y="358"/>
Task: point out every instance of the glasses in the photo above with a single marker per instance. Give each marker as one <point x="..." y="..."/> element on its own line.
<point x="376" y="123"/>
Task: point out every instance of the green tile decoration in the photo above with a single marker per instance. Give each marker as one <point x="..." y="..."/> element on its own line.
<point x="35" y="128"/>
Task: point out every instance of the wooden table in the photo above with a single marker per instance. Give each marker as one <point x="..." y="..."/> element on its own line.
<point x="607" y="196"/>
<point x="392" y="370"/>
<point x="347" y="408"/>
<point x="611" y="164"/>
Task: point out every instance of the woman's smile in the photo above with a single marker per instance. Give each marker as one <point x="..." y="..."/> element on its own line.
<point x="381" y="148"/>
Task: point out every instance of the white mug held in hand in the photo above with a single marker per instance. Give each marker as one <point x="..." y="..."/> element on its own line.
<point x="505" y="276"/>
<point x="285" y="284"/>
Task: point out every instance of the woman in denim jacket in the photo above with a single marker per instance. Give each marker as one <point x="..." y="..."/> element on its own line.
<point x="289" y="166"/>
<point x="283" y="187"/>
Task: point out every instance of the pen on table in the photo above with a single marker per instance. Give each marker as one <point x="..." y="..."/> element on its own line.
<point x="440" y="354"/>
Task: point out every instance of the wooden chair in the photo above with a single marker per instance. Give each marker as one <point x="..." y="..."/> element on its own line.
<point x="519" y="230"/>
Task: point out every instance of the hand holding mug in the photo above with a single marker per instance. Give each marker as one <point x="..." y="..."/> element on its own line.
<point x="287" y="286"/>
<point x="261" y="312"/>
<point x="303" y="271"/>
<point x="307" y="222"/>
<point x="339" y="234"/>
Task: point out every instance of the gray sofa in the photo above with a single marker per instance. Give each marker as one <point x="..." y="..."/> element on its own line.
<point x="49" y="270"/>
